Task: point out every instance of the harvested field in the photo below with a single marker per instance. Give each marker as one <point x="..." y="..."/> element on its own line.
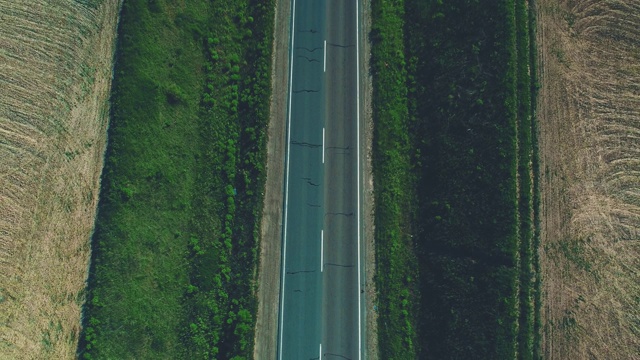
<point x="55" y="76"/>
<point x="589" y="138"/>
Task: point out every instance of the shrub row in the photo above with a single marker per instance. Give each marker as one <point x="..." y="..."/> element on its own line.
<point x="235" y="106"/>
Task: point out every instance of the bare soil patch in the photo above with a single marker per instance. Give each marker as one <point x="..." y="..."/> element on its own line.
<point x="589" y="125"/>
<point x="55" y="76"/>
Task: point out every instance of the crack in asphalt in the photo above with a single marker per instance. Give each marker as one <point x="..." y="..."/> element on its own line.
<point x="308" y="58"/>
<point x="309" y="50"/>
<point x="340" y="213"/>
<point x="305" y="90"/>
<point x="337" y="355"/>
<point x="313" y="205"/>
<point x="338" y="265"/>
<point x="300" y="271"/>
<point x="340" y="46"/>
<point x="308" y="180"/>
<point x="303" y="143"/>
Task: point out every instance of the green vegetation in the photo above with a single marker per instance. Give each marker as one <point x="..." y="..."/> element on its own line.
<point x="525" y="184"/>
<point x="396" y="262"/>
<point x="468" y="124"/>
<point x="174" y="251"/>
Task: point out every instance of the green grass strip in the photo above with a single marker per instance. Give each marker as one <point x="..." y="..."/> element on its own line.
<point x="140" y="269"/>
<point x="527" y="274"/>
<point x="463" y="126"/>
<point x="175" y="245"/>
<point x="395" y="260"/>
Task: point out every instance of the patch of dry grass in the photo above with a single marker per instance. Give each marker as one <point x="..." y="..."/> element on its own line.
<point x="55" y="76"/>
<point x="589" y="121"/>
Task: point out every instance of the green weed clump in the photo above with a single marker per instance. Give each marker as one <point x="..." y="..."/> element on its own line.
<point x="174" y="249"/>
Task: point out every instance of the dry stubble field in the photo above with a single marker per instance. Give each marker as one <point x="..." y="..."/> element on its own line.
<point x="55" y="76"/>
<point x="589" y="122"/>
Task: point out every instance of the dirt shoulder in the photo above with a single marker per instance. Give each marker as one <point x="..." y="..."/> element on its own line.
<point x="268" y="286"/>
<point x="366" y="135"/>
<point x="55" y="75"/>
<point x="589" y="117"/>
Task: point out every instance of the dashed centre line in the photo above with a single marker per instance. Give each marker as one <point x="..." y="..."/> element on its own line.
<point x="325" y="56"/>
<point x="322" y="250"/>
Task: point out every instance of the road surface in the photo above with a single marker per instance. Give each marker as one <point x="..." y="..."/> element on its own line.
<point x="321" y="289"/>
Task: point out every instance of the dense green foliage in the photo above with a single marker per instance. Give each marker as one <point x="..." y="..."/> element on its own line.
<point x="465" y="110"/>
<point x="393" y="197"/>
<point x="174" y="250"/>
<point x="469" y="125"/>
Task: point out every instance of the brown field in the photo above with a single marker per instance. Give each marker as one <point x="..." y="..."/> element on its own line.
<point x="589" y="122"/>
<point x="55" y="76"/>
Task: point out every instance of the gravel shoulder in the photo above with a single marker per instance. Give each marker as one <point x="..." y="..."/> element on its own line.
<point x="371" y="317"/>
<point x="268" y="285"/>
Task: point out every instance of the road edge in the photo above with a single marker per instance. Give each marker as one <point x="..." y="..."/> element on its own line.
<point x="268" y="285"/>
<point x="366" y="133"/>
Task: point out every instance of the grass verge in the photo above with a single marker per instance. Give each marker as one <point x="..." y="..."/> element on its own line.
<point x="174" y="249"/>
<point x="396" y="268"/>
<point x="462" y="143"/>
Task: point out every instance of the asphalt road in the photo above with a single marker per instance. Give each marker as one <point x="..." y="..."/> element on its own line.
<point x="321" y="297"/>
